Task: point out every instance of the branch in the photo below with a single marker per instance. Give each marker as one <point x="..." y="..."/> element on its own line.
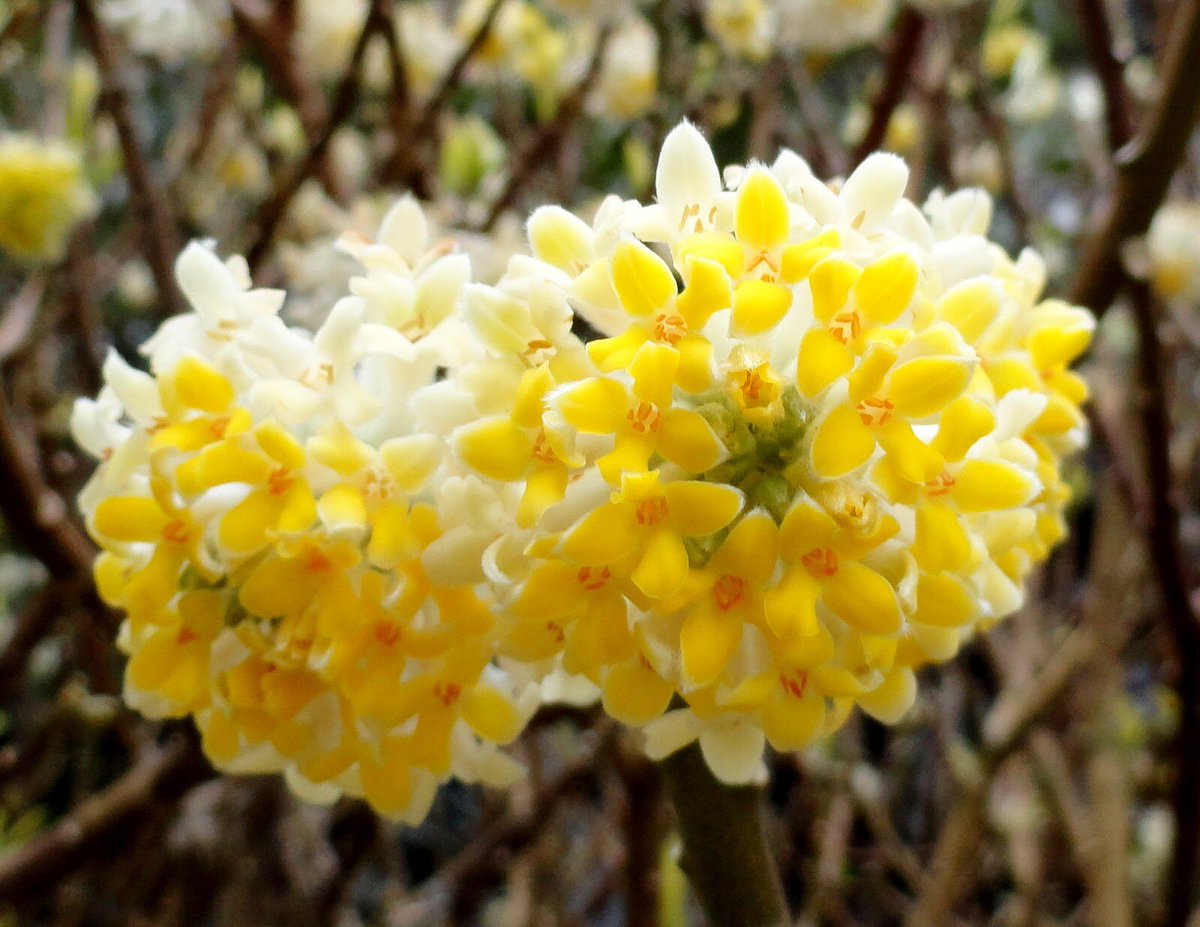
<point x="1097" y="33"/>
<point x="1170" y="566"/>
<point x="901" y="60"/>
<point x="37" y="515"/>
<point x="1145" y="166"/>
<point x="449" y="83"/>
<point x="725" y="851"/>
<point x="543" y="147"/>
<point x="276" y="206"/>
<point x="156" y="782"/>
<point x="159" y="241"/>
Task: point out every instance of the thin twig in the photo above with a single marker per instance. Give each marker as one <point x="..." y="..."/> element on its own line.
<point x="159" y="239"/>
<point x="1145" y="165"/>
<point x="346" y="95"/>
<point x="1171" y="568"/>
<point x="37" y="515"/>
<point x="897" y="72"/>
<point x="449" y="83"/>
<point x="1097" y="33"/>
<point x="160" y="779"/>
<point x="541" y="150"/>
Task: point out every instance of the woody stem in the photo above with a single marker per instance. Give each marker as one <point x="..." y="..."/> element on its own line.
<point x="725" y="851"/>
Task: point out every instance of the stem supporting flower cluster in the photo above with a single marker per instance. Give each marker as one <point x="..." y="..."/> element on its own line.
<point x="725" y="852"/>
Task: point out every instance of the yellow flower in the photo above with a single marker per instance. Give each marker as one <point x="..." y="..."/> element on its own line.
<point x="651" y="519"/>
<point x="42" y="196"/>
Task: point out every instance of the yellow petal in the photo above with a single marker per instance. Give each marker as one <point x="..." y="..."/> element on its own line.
<point x="643" y="283"/>
<point x="758" y="306"/>
<point x="761" y="217"/>
<point x="943" y="601"/>
<point x="892" y="699"/>
<point x="708" y="290"/>
<point x="914" y="460"/>
<point x="411" y="459"/>
<point x="750" y="550"/>
<point x="393" y="539"/>
<point x="492" y="716"/>
<point x="200" y="386"/>
<point x="130" y="518"/>
<point x="990" y="485"/>
<point x="842" y="443"/>
<point x="280" y="446"/>
<point x="962" y="423"/>
<point x="528" y="402"/>
<point x="610" y="354"/>
<point x="866" y="380"/>
<point x="342" y="507"/>
<point x="634" y="694"/>
<point x="594" y="406"/>
<point x="791" y="605"/>
<point x="387" y="789"/>
<point x="219" y="464"/>
<point x="496" y="447"/>
<point x="698" y="509"/>
<point x="544" y="487"/>
<point x="919" y="388"/>
<point x="830" y="282"/>
<point x="551" y="590"/>
<point x="707" y="642"/>
<point x="686" y="438"/>
<point x="247" y="526"/>
<point x="822" y="359"/>
<point x="807" y="526"/>
<point x="653" y="371"/>
<point x="971" y="306"/>
<point x="799" y="259"/>
<point x="336" y="448"/>
<point x="886" y="288"/>
<point x="941" y="540"/>
<point x="862" y="598"/>
<point x="603" y="536"/>
<point x="663" y="566"/>
<point x="695" y="364"/>
<point x="297" y="508"/>
<point x="791" y="722"/>
<point x="276" y="587"/>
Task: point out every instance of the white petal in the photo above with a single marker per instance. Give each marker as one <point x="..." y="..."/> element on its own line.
<point x="734" y="752"/>
<point x="687" y="174"/>
<point x="405" y="230"/>
<point x="873" y="190"/>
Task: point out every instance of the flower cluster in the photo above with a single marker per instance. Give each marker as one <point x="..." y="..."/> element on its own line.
<point x="815" y="444"/>
<point x="43" y="195"/>
<point x="297" y="555"/>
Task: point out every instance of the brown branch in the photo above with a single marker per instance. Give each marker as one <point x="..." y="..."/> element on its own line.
<point x="449" y="83"/>
<point x="159" y="780"/>
<point x="1145" y="165"/>
<point x="829" y="156"/>
<point x="725" y="851"/>
<point x="897" y="72"/>
<point x="1171" y="568"/>
<point x="482" y="862"/>
<point x="37" y="515"/>
<point x="1097" y="33"/>
<point x="542" y="149"/>
<point x="159" y="239"/>
<point x="345" y="96"/>
<point x="402" y="165"/>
